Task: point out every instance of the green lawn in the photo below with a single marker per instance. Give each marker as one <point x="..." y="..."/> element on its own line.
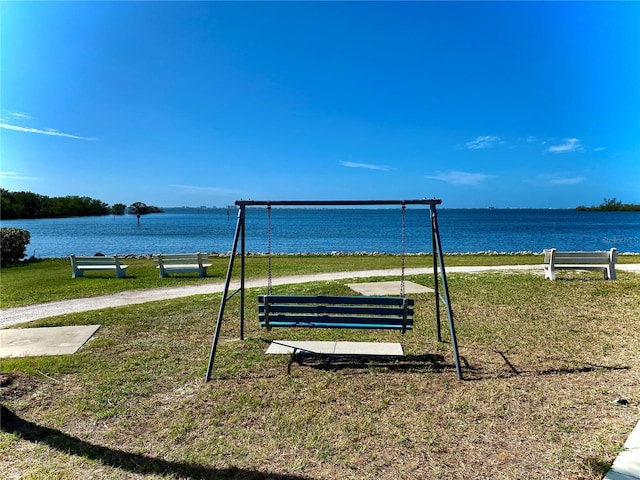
<point x="543" y="363"/>
<point x="50" y="279"/>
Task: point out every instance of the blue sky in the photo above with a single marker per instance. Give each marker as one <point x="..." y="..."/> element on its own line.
<point x="506" y="104"/>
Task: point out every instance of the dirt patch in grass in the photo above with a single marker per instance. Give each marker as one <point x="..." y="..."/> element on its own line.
<point x="16" y="385"/>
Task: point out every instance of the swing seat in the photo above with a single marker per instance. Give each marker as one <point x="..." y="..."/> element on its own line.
<point x="382" y="313"/>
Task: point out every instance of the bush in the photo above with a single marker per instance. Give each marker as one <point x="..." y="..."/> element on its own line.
<point x="14" y="243"/>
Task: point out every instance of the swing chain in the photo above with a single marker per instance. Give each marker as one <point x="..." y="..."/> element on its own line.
<point x="404" y="208"/>
<point x="269" y="276"/>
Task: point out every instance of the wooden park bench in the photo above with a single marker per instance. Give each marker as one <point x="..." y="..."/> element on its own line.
<point x="386" y="313"/>
<point x="555" y="260"/>
<point x="182" y="263"/>
<point x="82" y="263"/>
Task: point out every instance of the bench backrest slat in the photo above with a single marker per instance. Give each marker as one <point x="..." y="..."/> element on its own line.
<point x="329" y="300"/>
<point x="172" y="258"/>
<point x="368" y="310"/>
<point x="580" y="257"/>
<point x="82" y="260"/>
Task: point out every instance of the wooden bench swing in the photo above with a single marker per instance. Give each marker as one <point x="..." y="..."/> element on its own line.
<point x="355" y="312"/>
<point x="383" y="313"/>
<point x="361" y="312"/>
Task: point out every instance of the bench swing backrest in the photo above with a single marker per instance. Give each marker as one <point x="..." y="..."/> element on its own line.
<point x="384" y="313"/>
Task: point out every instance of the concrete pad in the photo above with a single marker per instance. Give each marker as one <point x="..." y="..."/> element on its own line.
<point x="387" y="288"/>
<point x="368" y="348"/>
<point x="279" y="347"/>
<point x="627" y="464"/>
<point x="32" y="342"/>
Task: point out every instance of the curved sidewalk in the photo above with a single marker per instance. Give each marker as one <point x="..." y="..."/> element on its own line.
<point x="15" y="315"/>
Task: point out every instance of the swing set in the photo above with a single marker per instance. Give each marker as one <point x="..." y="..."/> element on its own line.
<point x="359" y="312"/>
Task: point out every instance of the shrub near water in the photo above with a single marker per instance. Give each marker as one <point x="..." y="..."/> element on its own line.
<point x="14" y="243"/>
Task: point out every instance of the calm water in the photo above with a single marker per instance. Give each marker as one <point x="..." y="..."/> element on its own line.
<point x="328" y="230"/>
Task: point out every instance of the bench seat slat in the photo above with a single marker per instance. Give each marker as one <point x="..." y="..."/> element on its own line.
<point x="585" y="266"/>
<point x="99" y="267"/>
<point x="186" y="266"/>
<point x="321" y="324"/>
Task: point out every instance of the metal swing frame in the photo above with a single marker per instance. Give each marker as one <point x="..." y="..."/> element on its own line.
<point x="438" y="265"/>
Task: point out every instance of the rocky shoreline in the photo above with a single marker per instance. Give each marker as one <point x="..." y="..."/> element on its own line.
<point x="352" y="254"/>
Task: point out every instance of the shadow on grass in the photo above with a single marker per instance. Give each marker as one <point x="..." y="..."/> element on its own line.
<point x="412" y="363"/>
<point x="583" y="369"/>
<point x="132" y="462"/>
<point x="569" y="367"/>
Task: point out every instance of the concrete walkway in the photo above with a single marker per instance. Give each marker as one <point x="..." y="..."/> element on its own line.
<point x="16" y="315"/>
<point x="12" y="316"/>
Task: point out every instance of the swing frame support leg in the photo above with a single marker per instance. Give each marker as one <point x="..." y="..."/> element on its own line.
<point x="445" y="287"/>
<point x="436" y="283"/>
<point x="225" y="294"/>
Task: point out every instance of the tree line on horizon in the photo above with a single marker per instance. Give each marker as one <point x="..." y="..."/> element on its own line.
<point x="28" y="205"/>
<point x="611" y="205"/>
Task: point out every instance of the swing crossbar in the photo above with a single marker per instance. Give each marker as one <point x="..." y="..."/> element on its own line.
<point x="364" y="312"/>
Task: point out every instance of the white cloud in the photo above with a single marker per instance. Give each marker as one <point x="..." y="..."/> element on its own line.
<point x="20" y="115"/>
<point x="461" y="178"/>
<point x="599" y="149"/>
<point x="16" y="176"/>
<point x="567" y="180"/>
<point x="570" y="145"/>
<point x="49" y="131"/>
<point x="484" y="141"/>
<point x="561" y="179"/>
<point x="369" y="166"/>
